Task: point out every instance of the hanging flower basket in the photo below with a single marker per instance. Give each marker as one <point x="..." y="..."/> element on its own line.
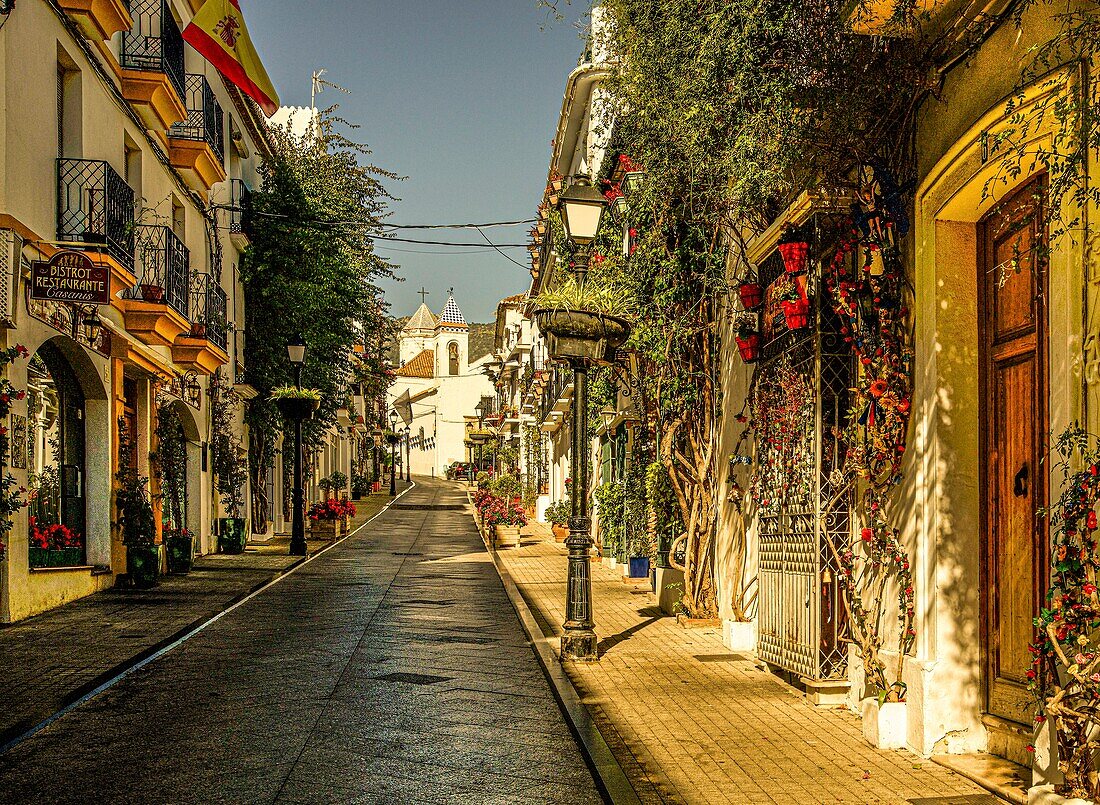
<point x="296" y="408"/>
<point x="749" y="347"/>
<point x="752" y="295"/>
<point x="797" y="314"/>
<point x="581" y="335"/>
<point x="794" y="256"/>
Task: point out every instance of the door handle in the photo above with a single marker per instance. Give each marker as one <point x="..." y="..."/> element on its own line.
<point x="1019" y="483"/>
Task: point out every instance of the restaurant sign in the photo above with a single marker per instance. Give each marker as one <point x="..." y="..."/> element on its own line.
<point x="71" y="276"/>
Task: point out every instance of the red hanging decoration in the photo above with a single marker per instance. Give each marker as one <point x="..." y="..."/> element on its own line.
<point x="794" y="256"/>
<point x="752" y="295"/>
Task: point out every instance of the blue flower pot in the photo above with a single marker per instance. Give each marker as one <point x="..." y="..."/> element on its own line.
<point x="639" y="567"/>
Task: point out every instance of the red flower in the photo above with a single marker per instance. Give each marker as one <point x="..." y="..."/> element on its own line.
<point x="867" y="534"/>
<point x="878" y="388"/>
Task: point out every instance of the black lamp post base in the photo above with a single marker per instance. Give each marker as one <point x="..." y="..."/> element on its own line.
<point x="579" y="644"/>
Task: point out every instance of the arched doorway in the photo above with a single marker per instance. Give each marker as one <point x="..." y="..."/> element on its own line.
<point x="56" y="410"/>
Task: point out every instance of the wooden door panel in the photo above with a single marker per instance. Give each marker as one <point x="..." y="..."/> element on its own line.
<point x="1013" y="421"/>
<point x="1013" y="527"/>
<point x="1013" y="309"/>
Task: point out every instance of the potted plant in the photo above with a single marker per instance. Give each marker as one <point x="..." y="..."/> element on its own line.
<point x="296" y="403"/>
<point x="338" y="482"/>
<point x="360" y="486"/>
<point x="583" y="321"/>
<point x="505" y="518"/>
<point x="557" y="513"/>
<point x="135" y="518"/>
<point x="151" y="292"/>
<point x="326" y="518"/>
<point x="179" y="545"/>
<point x="748" y="338"/>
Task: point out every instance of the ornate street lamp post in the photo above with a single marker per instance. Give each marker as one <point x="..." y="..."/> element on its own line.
<point x="581" y="338"/>
<point x="296" y="352"/>
<point x="408" y="455"/>
<point x="393" y="453"/>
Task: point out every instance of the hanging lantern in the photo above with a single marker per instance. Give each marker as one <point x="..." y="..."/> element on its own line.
<point x="794" y="255"/>
<point x="752" y="295"/>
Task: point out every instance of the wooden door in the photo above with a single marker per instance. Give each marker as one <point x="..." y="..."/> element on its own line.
<point x="1012" y="318"/>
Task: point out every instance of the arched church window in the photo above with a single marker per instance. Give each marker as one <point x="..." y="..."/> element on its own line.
<point x="56" y="510"/>
<point x="452" y="358"/>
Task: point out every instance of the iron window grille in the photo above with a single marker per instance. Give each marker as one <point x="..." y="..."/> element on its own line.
<point x="162" y="261"/>
<point x="209" y="308"/>
<point x="155" y="43"/>
<point x="95" y="206"/>
<point x="204" y="122"/>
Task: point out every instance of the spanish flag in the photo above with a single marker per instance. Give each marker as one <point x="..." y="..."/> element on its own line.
<point x="218" y="32"/>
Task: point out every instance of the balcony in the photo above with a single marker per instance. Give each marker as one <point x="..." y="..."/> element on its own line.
<point x="157" y="309"/>
<point x="95" y="212"/>
<point x="203" y="348"/>
<point x="196" y="145"/>
<point x="153" y="78"/>
<point x="240" y="213"/>
<point x="99" y="19"/>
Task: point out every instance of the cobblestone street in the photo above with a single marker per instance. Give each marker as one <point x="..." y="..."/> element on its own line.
<point x="390" y="668"/>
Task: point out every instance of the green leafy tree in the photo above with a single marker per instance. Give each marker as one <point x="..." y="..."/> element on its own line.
<point x="310" y="269"/>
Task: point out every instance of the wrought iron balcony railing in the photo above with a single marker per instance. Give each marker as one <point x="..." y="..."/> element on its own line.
<point x="209" y="310"/>
<point x="155" y="43"/>
<point x="163" y="268"/>
<point x="240" y="216"/>
<point x="95" y="206"/>
<point x="204" y="121"/>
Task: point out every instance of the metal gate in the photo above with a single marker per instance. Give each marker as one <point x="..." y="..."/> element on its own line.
<point x="802" y="621"/>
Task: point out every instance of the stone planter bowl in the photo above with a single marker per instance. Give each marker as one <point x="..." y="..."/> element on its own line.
<point x="296" y="408"/>
<point x="582" y="336"/>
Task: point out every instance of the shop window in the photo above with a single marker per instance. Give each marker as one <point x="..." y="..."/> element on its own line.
<point x="56" y="412"/>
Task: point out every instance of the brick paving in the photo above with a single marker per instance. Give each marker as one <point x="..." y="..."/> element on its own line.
<point x="390" y="669"/>
<point x="51" y="660"/>
<point x="691" y="722"/>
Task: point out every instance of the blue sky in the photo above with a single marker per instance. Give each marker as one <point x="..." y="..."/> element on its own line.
<point x="460" y="97"/>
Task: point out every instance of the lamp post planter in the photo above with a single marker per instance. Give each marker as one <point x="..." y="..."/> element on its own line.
<point x="582" y="335"/>
<point x="297" y="409"/>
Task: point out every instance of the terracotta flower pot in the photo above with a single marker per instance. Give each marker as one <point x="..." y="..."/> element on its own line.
<point x="794" y="256"/>
<point x="797" y="314"/>
<point x="752" y="295"/>
<point x="749" y="347"/>
<point x="152" y="293"/>
<point x="561" y="533"/>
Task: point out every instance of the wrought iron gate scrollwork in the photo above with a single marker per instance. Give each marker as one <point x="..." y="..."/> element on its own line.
<point x="800" y="508"/>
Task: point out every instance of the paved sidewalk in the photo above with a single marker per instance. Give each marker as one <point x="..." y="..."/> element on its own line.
<point x="389" y="669"/>
<point x="52" y="659"/>
<point x="691" y="722"/>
